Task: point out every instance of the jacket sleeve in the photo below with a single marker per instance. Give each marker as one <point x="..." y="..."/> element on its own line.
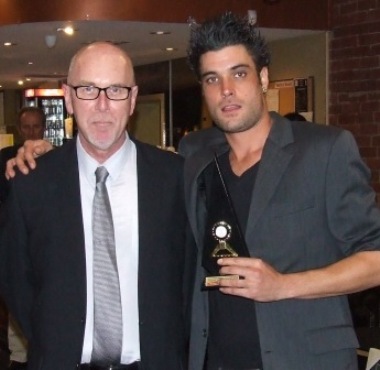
<point x="353" y="215"/>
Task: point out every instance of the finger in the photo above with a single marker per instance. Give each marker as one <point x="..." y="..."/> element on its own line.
<point x="20" y="163"/>
<point x="231" y="283"/>
<point x="10" y="172"/>
<point x="234" y="290"/>
<point x="234" y="261"/>
<point x="29" y="158"/>
<point x="27" y="153"/>
<point x="234" y="270"/>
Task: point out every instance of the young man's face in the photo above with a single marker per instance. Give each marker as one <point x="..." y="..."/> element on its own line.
<point x="232" y="88"/>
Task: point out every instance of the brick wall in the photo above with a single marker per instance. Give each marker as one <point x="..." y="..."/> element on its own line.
<point x="355" y="76"/>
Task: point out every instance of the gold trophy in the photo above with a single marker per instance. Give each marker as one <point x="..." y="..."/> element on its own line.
<point x="222" y="226"/>
<point x="221" y="231"/>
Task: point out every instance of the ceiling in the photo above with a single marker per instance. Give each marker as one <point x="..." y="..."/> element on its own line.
<point x="31" y="59"/>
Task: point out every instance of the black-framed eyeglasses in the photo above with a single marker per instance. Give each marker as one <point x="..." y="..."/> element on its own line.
<point x="112" y="92"/>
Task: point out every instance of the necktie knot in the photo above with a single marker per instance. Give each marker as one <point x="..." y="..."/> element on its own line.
<point x="101" y="174"/>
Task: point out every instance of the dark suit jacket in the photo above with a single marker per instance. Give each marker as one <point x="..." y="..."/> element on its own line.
<point x="311" y="206"/>
<point x="42" y="257"/>
<point x="5" y="154"/>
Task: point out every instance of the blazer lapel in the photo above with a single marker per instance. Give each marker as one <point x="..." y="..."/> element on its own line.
<point x="194" y="189"/>
<point x="277" y="154"/>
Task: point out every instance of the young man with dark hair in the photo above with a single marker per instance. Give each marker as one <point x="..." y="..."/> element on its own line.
<point x="303" y="201"/>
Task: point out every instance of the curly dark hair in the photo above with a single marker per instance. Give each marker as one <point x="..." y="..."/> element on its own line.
<point x="225" y="30"/>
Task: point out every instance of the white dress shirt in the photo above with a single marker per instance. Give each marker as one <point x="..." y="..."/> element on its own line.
<point x="122" y="191"/>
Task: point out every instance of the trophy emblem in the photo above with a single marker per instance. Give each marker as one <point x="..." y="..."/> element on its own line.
<point x="221" y="231"/>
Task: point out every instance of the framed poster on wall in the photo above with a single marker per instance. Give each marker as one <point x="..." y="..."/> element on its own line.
<point x="292" y="95"/>
<point x="147" y="123"/>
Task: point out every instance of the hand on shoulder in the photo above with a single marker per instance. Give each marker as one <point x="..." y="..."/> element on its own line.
<point x="26" y="155"/>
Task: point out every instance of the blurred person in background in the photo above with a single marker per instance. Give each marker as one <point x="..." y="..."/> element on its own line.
<point x="30" y="126"/>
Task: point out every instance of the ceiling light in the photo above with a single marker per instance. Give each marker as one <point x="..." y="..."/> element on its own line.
<point x="8" y="43"/>
<point x="160" y="33"/>
<point x="69" y="30"/>
<point x="170" y="49"/>
<point x="20" y="82"/>
<point x="30" y="63"/>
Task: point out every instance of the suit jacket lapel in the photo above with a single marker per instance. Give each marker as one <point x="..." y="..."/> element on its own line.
<point x="194" y="189"/>
<point x="62" y="200"/>
<point x="277" y="154"/>
<point x="146" y="209"/>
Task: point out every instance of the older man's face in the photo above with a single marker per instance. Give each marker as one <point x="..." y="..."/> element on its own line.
<point x="101" y="122"/>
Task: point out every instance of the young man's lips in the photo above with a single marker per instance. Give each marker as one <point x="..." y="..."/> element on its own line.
<point x="230" y="107"/>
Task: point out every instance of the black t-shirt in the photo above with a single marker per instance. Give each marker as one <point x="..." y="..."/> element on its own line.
<point x="233" y="337"/>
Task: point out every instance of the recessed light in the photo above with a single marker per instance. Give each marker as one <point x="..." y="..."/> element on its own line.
<point x="20" y="82"/>
<point x="160" y="33"/>
<point x="170" y="49"/>
<point x="30" y="63"/>
<point x="8" y="43"/>
<point x="28" y="79"/>
<point x="68" y="30"/>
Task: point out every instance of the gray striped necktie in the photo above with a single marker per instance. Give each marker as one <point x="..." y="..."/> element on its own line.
<point x="107" y="341"/>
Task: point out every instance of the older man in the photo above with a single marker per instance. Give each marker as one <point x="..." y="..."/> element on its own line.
<point x="85" y="296"/>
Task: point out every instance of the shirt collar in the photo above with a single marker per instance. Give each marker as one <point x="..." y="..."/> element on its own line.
<point x="88" y="164"/>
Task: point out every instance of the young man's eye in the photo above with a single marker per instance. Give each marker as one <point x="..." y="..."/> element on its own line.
<point x="211" y="80"/>
<point x="240" y="74"/>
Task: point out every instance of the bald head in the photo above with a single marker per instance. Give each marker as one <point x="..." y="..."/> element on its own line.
<point x="99" y="53"/>
<point x="102" y="117"/>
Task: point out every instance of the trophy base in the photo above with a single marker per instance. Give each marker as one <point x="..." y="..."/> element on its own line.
<point x="214" y="281"/>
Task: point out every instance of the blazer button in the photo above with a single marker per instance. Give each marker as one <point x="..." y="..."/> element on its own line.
<point x="204" y="333"/>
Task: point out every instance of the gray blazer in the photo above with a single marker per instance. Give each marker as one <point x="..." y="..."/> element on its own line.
<point x="311" y="206"/>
